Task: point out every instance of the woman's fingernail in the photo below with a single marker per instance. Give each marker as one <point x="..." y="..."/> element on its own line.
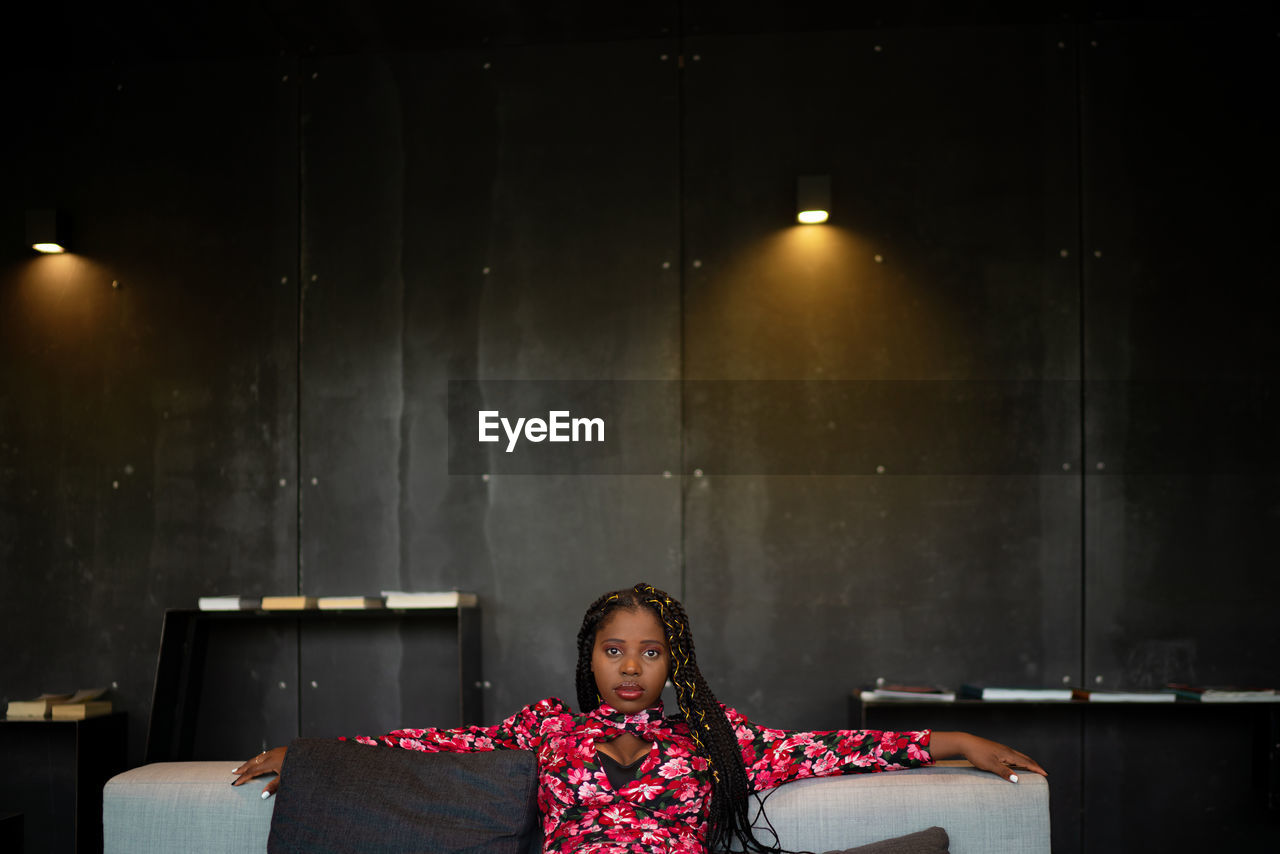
<point x="266" y="795"/>
<point x="1013" y="778"/>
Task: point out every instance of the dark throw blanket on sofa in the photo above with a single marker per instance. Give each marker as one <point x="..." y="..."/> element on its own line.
<point x="340" y="796"/>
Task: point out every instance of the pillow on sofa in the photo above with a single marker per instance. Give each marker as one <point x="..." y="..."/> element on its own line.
<point x="933" y="840"/>
<point x="342" y="796"/>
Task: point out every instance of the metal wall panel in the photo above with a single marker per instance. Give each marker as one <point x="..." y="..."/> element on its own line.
<point x="1183" y="367"/>
<point x="1182" y="410"/>
<point x="953" y="203"/>
<point x="147" y="429"/>
<point x="481" y="215"/>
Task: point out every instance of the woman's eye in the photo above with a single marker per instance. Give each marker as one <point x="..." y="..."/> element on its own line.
<point x="652" y="653"/>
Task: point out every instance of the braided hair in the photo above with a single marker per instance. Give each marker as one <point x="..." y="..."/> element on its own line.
<point x="728" y="820"/>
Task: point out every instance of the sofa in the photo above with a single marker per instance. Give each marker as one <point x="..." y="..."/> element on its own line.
<point x="341" y="796"/>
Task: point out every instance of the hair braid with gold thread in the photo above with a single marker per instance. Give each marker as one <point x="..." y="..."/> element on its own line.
<point x="728" y="819"/>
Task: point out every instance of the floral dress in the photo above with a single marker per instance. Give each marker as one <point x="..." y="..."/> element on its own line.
<point x="665" y="807"/>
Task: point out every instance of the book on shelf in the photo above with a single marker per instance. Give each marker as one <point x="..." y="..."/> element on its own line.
<point x="1095" y="696"/>
<point x="36" y="708"/>
<point x="888" y="692"/>
<point x="48" y="705"/>
<point x="997" y="694"/>
<point x="230" y="603"/>
<point x="1224" y="694"/>
<point x="444" y="599"/>
<point x="80" y="711"/>
<point x="344" y="603"/>
<point x="288" y="603"/>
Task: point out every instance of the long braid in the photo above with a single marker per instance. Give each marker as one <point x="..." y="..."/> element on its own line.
<point x="728" y="819"/>
<point x="588" y="695"/>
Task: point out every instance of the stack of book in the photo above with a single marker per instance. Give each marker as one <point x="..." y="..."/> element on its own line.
<point x="85" y="703"/>
<point x="288" y="603"/>
<point x="885" y="692"/>
<point x="230" y="603"/>
<point x="1093" y="695"/>
<point x="1014" y="695"/>
<point x="446" y="599"/>
<point x="349" y="603"/>
<point x="1224" y="695"/>
<point x="40" y="707"/>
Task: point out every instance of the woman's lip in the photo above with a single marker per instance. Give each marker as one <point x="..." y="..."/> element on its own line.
<point x="629" y="691"/>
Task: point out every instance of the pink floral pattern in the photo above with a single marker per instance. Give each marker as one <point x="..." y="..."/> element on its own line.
<point x="665" y="807"/>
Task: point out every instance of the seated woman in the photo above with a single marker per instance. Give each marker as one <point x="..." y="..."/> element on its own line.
<point x="618" y="776"/>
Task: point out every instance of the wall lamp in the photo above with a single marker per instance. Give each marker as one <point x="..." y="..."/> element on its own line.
<point x="813" y="198"/>
<point x="46" y="231"/>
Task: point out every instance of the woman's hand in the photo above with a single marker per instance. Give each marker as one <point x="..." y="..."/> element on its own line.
<point x="269" y="762"/>
<point x="981" y="753"/>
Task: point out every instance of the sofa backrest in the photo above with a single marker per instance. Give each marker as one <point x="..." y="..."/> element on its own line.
<point x="981" y="813"/>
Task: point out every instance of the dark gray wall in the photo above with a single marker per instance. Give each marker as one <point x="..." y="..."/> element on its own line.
<point x="1042" y="307"/>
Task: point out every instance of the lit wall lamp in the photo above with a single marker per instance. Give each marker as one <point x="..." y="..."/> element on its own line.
<point x="813" y="198"/>
<point x="46" y="231"/>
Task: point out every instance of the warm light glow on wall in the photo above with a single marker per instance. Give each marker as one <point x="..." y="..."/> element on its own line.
<point x="47" y="248"/>
<point x="823" y="303"/>
<point x="62" y="295"/>
<point x="811" y="217"/>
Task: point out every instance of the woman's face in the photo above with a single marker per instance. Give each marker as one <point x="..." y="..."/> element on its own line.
<point x="629" y="661"/>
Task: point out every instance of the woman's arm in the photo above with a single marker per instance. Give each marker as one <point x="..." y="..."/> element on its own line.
<point x="471" y="739"/>
<point x="521" y="731"/>
<point x="518" y="732"/>
<point x="981" y="753"/>
<point x="774" y="756"/>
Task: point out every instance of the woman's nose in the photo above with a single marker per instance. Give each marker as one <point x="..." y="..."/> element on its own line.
<point x="630" y="664"/>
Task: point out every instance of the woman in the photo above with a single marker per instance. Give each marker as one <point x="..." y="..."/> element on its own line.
<point x="618" y="776"/>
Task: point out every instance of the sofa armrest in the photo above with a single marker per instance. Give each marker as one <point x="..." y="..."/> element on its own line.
<point x="981" y="813"/>
<point x="184" y="806"/>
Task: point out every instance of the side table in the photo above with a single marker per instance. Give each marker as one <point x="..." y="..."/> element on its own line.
<point x="11" y="832"/>
<point x="54" y="774"/>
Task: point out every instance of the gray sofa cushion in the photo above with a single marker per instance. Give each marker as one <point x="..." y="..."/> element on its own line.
<point x="340" y="796"/>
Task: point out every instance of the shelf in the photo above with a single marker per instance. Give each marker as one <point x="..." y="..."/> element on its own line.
<point x="857" y="705"/>
<point x="184" y="644"/>
<point x="56" y="773"/>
